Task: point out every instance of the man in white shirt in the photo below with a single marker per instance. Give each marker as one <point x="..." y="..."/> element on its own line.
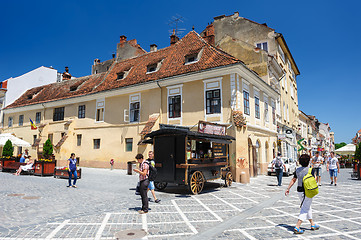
<point x="278" y="165"/>
<point x="316" y="164"/>
<point x="333" y="167"/>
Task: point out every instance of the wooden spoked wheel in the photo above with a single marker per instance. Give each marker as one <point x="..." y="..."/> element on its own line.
<point x="196" y="182"/>
<point x="160" y="185"/>
<point x="229" y="179"/>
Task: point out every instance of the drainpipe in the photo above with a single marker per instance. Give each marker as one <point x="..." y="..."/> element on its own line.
<point x="160" y="108"/>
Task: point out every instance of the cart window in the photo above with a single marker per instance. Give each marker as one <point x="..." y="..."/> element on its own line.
<point x="219" y="150"/>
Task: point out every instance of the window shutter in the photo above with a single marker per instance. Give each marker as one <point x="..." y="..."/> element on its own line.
<point x="126" y="115"/>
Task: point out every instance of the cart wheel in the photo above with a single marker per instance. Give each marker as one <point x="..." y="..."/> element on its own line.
<point x="229" y="179"/>
<point x="160" y="185"/>
<point x="196" y="182"/>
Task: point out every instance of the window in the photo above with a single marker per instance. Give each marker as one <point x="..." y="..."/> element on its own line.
<point x="50" y="137"/>
<point x="213" y="101"/>
<point x="96" y="143"/>
<point x="256" y="105"/>
<point x="62" y="134"/>
<point x="284" y="111"/>
<point x="266" y="112"/>
<point x="282" y="55"/>
<point x="21" y="120"/>
<point x="274" y="115"/>
<point x="174" y="103"/>
<point x="38" y="117"/>
<point x="129" y="144"/>
<point x="81" y="111"/>
<point x="134" y="111"/>
<point x="151" y="68"/>
<point x="100" y="108"/>
<point x="34" y="139"/>
<point x="191" y="58"/>
<point x="10" y="123"/>
<point x="120" y="76"/>
<point x="246" y="102"/>
<point x="78" y="139"/>
<point x="291" y="89"/>
<point x="263" y="46"/>
<point x="58" y="114"/>
<point x="288" y="114"/>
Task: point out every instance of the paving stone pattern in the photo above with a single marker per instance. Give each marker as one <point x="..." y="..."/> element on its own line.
<point x="104" y="204"/>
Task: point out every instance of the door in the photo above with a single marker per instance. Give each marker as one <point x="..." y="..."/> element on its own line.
<point x="164" y="153"/>
<point x="255" y="161"/>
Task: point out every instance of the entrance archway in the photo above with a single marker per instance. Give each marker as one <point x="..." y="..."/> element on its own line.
<point x="257" y="162"/>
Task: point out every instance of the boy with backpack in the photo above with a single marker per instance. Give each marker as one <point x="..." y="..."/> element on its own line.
<point x="278" y="165"/>
<point x="152" y="175"/>
<point x="307" y="188"/>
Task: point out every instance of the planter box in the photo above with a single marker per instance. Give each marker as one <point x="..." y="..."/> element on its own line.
<point x="6" y="162"/>
<point x="42" y="168"/>
<point x="60" y="173"/>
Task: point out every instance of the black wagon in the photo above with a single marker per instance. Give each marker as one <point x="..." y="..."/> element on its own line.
<point x="189" y="158"/>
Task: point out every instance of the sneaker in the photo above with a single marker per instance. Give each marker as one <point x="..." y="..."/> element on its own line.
<point x="74" y="186"/>
<point x="331" y="182"/>
<point x="335" y="184"/>
<point x="142" y="212"/>
<point x="320" y="185"/>
<point x="68" y="186"/>
<point x="157" y="201"/>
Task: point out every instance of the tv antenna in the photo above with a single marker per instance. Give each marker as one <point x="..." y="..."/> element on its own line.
<point x="175" y="22"/>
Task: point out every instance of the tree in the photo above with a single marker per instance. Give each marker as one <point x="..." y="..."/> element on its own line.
<point x="8" y="149"/>
<point x="358" y="152"/>
<point x="340" y="145"/>
<point x="48" y="149"/>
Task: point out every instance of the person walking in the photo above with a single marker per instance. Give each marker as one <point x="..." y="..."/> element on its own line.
<point x="316" y="164"/>
<point x="72" y="170"/>
<point x="278" y="165"/>
<point x="151" y="187"/>
<point x="111" y="164"/>
<point x="144" y="182"/>
<point x="333" y="167"/>
<point x="306" y="210"/>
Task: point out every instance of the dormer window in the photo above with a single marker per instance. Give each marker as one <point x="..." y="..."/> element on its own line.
<point x="120" y="75"/>
<point x="152" y="68"/>
<point x="30" y="97"/>
<point x="194" y="57"/>
<point x="73" y="88"/>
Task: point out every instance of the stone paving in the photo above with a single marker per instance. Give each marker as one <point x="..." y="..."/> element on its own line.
<point x="104" y="204"/>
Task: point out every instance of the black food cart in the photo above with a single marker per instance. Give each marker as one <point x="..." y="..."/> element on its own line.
<point x="189" y="158"/>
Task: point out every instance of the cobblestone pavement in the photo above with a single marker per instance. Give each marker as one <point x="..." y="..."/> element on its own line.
<point x="104" y="205"/>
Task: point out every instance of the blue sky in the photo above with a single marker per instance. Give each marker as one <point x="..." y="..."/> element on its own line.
<point x="323" y="37"/>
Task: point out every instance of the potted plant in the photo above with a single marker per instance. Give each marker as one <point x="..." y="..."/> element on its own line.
<point x="45" y="166"/>
<point x="7" y="154"/>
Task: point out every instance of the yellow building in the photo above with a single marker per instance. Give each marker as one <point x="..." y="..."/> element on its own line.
<point x="106" y="115"/>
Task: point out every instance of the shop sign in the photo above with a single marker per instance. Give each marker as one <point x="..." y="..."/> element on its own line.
<point x="211" y="128"/>
<point x="219" y="150"/>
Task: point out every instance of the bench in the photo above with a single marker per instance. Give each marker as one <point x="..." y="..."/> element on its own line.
<point x="15" y="166"/>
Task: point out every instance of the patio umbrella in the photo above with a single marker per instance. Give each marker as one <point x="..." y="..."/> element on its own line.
<point x="349" y="149"/>
<point x="14" y="140"/>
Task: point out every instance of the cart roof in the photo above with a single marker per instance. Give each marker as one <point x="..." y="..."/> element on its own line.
<point x="185" y="132"/>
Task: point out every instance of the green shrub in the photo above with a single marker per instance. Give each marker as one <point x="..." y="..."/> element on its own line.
<point x="48" y="149"/>
<point x="8" y="149"/>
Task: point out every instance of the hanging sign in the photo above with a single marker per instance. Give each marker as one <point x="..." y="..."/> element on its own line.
<point x="211" y="128"/>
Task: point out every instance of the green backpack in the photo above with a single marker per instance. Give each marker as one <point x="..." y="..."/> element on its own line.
<point x="310" y="184"/>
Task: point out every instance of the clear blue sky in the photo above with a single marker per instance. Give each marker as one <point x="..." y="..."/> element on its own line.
<point x="323" y="37"/>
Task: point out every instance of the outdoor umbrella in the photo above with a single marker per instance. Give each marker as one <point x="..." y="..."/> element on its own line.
<point x="14" y="140"/>
<point x="349" y="149"/>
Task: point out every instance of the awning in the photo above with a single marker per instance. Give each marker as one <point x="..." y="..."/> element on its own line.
<point x="349" y="149"/>
<point x="14" y="140"/>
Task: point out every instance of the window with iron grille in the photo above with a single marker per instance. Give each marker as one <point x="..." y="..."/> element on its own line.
<point x="96" y="143"/>
<point x="134" y="111"/>
<point x="246" y="102"/>
<point x="81" y="111"/>
<point x="38" y="117"/>
<point x="174" y="103"/>
<point x="21" y="120"/>
<point x="256" y="107"/>
<point x="58" y="114"/>
<point x="213" y="101"/>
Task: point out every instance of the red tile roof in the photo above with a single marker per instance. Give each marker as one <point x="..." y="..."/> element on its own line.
<point x="173" y="64"/>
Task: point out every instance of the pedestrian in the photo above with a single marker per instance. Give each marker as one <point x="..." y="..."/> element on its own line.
<point x="72" y="170"/>
<point x="24" y="156"/>
<point x="144" y="182"/>
<point x="27" y="167"/>
<point x="278" y="165"/>
<point x="306" y="210"/>
<point x="316" y="164"/>
<point x="151" y="187"/>
<point x="333" y="167"/>
<point x="111" y="163"/>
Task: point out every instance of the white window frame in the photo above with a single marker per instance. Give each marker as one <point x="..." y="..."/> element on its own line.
<point x="284" y="111"/>
<point x="282" y="54"/>
<point x="133" y="99"/>
<point x="261" y="42"/>
<point x="256" y="94"/>
<point x="175" y="90"/>
<point x="273" y="106"/>
<point x="10" y="121"/>
<point x="100" y="104"/>
<point x="291" y="90"/>
<point x="288" y="114"/>
<point x="246" y="89"/>
<point x="266" y="107"/>
<point x="213" y="84"/>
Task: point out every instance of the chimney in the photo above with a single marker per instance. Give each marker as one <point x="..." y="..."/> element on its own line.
<point x="66" y="74"/>
<point x="96" y="61"/>
<point x="153" y="47"/>
<point x="113" y="55"/>
<point x="123" y="39"/>
<point x="209" y="34"/>
<point x="173" y="38"/>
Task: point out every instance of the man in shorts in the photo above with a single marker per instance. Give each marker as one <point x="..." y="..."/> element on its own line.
<point x="333" y="167"/>
<point x="151" y="183"/>
<point x="316" y="164"/>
